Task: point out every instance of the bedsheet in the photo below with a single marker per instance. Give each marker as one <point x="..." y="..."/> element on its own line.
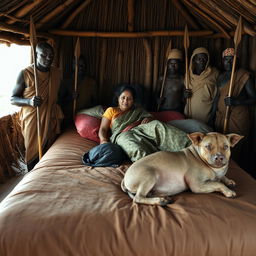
<point x="62" y="207"/>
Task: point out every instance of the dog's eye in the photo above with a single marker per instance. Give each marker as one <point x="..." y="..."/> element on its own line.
<point x="225" y="147"/>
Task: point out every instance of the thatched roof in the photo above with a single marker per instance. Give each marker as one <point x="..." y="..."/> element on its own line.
<point x="126" y="40"/>
<point x="124" y="18"/>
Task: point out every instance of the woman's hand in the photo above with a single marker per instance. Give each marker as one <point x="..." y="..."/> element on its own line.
<point x="104" y="130"/>
<point x="146" y="120"/>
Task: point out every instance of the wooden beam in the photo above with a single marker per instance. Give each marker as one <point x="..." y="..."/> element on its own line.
<point x="24" y="10"/>
<point x="22" y="31"/>
<point x="10" y="39"/>
<point x="130" y="12"/>
<point x="232" y="19"/>
<point x="239" y="8"/>
<point x="128" y="34"/>
<point x="185" y="14"/>
<point x="75" y="13"/>
<point x="203" y="6"/>
<point x="2" y="14"/>
<point x="54" y="13"/>
<point x="209" y="19"/>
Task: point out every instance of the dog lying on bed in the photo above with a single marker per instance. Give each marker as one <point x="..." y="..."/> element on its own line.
<point x="200" y="167"/>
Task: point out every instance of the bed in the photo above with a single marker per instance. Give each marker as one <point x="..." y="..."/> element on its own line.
<point x="65" y="208"/>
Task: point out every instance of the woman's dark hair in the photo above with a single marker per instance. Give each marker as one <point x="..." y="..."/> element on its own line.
<point x="121" y="88"/>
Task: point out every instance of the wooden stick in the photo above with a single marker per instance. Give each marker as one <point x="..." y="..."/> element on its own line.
<point x="77" y="55"/>
<point x="33" y="45"/>
<point x="231" y="19"/>
<point x="203" y="6"/>
<point x="13" y="18"/>
<point x="130" y="12"/>
<point x="22" y="31"/>
<point x="83" y="5"/>
<point x="103" y="57"/>
<point x="237" y="40"/>
<point x="148" y="66"/>
<point x="156" y="63"/>
<point x="128" y="34"/>
<point x="186" y="15"/>
<point x="13" y="39"/>
<point x="54" y="13"/>
<point x="165" y="71"/>
<point x="186" y="46"/>
<point x="206" y="17"/>
<point x="24" y="10"/>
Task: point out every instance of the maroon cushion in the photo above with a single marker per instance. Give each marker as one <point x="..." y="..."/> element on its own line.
<point x="168" y="115"/>
<point x="88" y="126"/>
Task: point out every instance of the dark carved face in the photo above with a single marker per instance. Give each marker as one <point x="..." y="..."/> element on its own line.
<point x="44" y="57"/>
<point x="227" y="62"/>
<point x="173" y="66"/>
<point x="200" y="60"/>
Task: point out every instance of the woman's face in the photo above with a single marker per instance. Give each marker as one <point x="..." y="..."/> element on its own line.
<point x="125" y="100"/>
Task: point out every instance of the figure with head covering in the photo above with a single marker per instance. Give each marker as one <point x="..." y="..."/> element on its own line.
<point x="243" y="96"/>
<point x="173" y="87"/>
<point x="86" y="95"/>
<point x="202" y="86"/>
<point x="24" y="95"/>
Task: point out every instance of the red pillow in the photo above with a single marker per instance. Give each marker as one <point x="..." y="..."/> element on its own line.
<point x="88" y="126"/>
<point x="168" y="115"/>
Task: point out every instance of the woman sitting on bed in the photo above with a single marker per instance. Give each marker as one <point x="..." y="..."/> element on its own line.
<point x="135" y="131"/>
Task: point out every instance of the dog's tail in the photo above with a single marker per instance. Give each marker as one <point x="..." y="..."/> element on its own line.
<point x="131" y="195"/>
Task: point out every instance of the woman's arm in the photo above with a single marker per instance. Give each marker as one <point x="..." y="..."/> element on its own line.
<point x="104" y="130"/>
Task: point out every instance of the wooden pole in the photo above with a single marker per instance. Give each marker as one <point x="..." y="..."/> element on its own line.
<point x="206" y="17"/>
<point x="128" y="34"/>
<point x="33" y="45"/>
<point x="237" y="40"/>
<point x="77" y="55"/>
<point x="186" y="15"/>
<point x="156" y="63"/>
<point x="130" y="11"/>
<point x="165" y="71"/>
<point x="83" y="5"/>
<point x="186" y="46"/>
<point x="148" y="65"/>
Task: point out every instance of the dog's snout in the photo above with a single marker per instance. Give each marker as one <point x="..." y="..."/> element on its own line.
<point x="218" y="157"/>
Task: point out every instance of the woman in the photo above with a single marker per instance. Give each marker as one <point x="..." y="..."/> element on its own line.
<point x="135" y="130"/>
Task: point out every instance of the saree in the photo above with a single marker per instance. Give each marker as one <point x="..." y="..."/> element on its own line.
<point x="50" y="112"/>
<point x="145" y="139"/>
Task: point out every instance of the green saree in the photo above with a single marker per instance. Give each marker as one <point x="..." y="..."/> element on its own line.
<point x="145" y="139"/>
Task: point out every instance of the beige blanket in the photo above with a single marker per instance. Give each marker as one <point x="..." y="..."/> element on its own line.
<point x="65" y="208"/>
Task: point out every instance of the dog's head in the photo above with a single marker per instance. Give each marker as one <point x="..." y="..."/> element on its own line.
<point x="213" y="147"/>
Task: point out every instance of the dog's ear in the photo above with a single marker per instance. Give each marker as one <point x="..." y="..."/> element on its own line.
<point x="233" y="138"/>
<point x="196" y="137"/>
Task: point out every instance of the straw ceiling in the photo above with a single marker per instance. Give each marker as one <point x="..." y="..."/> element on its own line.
<point x="134" y="18"/>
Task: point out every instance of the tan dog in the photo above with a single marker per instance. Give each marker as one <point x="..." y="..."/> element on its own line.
<point x="200" y="167"/>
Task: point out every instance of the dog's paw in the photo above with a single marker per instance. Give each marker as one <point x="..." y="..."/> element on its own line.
<point x="165" y="201"/>
<point x="230" y="193"/>
<point x="231" y="184"/>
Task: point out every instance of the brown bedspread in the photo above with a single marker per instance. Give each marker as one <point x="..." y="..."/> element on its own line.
<point x="65" y="208"/>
